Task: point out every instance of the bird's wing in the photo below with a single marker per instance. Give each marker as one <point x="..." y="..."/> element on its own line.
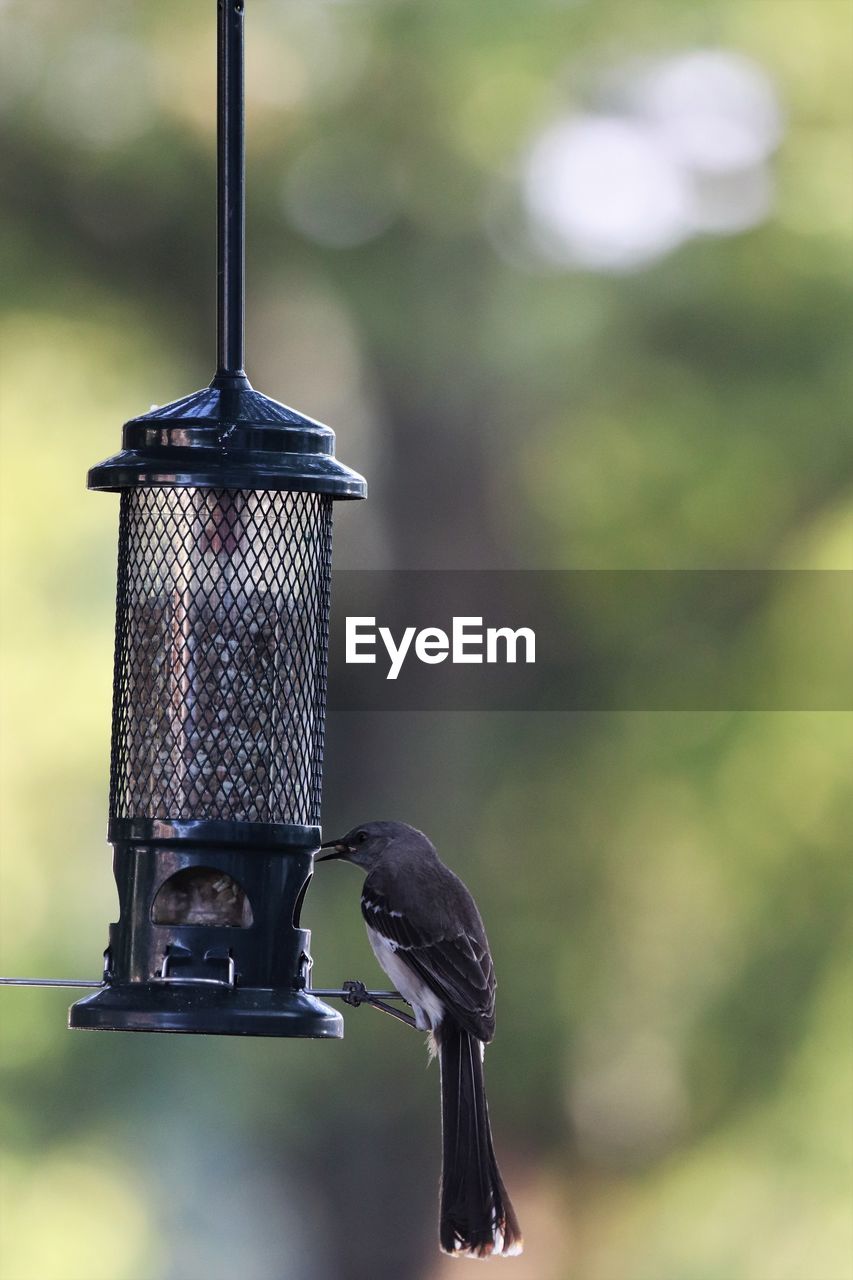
<point x="455" y="963"/>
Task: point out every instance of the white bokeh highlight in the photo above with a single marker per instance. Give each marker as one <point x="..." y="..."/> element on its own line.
<point x="688" y="157"/>
<point x="604" y="193"/>
<point x="717" y="111"/>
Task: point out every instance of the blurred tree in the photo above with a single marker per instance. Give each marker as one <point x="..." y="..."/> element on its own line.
<point x="670" y="1079"/>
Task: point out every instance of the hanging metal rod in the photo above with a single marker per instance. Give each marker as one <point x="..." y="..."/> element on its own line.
<point x="230" y="191"/>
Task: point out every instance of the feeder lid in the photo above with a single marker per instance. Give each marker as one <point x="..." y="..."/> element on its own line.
<point x="228" y="436"/>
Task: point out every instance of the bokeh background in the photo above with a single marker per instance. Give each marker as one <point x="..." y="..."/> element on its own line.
<point x="573" y="283"/>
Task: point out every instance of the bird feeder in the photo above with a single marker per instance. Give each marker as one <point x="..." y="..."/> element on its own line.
<point x="224" y="561"/>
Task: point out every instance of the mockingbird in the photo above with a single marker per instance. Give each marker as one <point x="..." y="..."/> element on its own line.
<point x="427" y="934"/>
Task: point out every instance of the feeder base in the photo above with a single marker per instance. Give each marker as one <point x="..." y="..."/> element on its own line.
<point x="197" y="1010"/>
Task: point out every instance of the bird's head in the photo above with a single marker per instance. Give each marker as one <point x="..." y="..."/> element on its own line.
<point x="365" y="844"/>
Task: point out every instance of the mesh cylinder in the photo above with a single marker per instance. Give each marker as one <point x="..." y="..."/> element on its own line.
<point x="221" y="655"/>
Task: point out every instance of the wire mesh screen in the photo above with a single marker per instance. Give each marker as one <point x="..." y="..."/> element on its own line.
<point x="221" y="655"/>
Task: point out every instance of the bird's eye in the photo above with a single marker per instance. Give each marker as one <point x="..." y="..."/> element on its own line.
<point x="361" y="837"/>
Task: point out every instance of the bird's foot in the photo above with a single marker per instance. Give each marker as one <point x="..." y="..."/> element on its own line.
<point x="356" y="993"/>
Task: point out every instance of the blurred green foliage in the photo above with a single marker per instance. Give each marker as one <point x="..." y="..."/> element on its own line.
<point x="666" y="894"/>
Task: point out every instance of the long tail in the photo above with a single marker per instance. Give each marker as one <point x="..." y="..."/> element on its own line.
<point x="477" y="1217"/>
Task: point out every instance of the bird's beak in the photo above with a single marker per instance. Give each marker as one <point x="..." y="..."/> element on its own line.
<point x="338" y="850"/>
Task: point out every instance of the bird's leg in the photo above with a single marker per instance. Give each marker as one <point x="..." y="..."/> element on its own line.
<point x="393" y="1013"/>
<point x="357" y="994"/>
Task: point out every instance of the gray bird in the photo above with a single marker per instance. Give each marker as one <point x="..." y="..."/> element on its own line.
<point x="427" y="934"/>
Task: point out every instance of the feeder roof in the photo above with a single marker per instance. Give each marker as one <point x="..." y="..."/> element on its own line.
<point x="228" y="436"/>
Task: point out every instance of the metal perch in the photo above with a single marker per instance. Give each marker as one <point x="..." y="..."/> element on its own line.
<point x="353" y="993"/>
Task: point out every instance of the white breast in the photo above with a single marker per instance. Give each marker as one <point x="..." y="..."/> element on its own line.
<point x="427" y="1007"/>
